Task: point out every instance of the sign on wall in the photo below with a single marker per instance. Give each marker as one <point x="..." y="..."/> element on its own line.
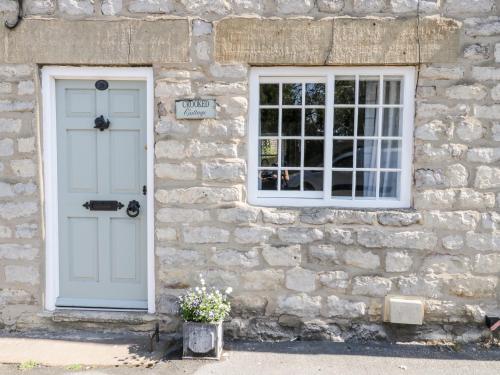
<point x="193" y="109"/>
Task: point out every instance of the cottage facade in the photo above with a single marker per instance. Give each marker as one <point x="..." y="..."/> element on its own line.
<point x="337" y="152"/>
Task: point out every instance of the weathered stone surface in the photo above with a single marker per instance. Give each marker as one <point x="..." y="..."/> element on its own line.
<point x="235" y="258"/>
<point x="151" y="6"/>
<point x="166" y="234"/>
<point x="39" y="7"/>
<point x="300" y="279"/>
<point x="484" y="26"/>
<point x="171" y="89"/>
<point x="248" y="306"/>
<point x="453" y="242"/>
<point x="253" y="235"/>
<point x="243" y="214"/>
<point x="473" y="286"/>
<point x="334" y="279"/>
<point x="344" y="308"/>
<point x="6" y="147"/>
<point x="373" y="286"/>
<point x="398" y="261"/>
<point x="475" y="200"/>
<point x="368" y="6"/>
<point x="435" y="199"/>
<point x="22" y="274"/>
<point x="337" y="235"/>
<point x="285" y="256"/>
<point x="182" y="171"/>
<point x="280" y="218"/>
<point x="323" y="254"/>
<point x="446" y="264"/>
<point x="299" y="235"/>
<point x="442" y="72"/>
<point x="10" y="211"/>
<point x="487" y="177"/>
<point x="198" y="195"/>
<point x="399" y="219"/>
<point x="117" y="42"/>
<point x="410" y="239"/>
<point x="227" y="170"/>
<point x="170" y="256"/>
<point x="433" y="131"/>
<point x="263" y="280"/>
<point x="487" y="263"/>
<point x="182" y="215"/>
<point x="17" y="252"/>
<point x="485" y="73"/>
<point x="330" y="6"/>
<point x="477" y="52"/>
<point x="300" y="305"/>
<point x="76" y="7"/>
<point x="294" y="6"/>
<point x="337" y="216"/>
<point x="457" y="220"/>
<point x="483" y="241"/>
<point x="454" y="7"/>
<point x="204" y="235"/>
<point x="219" y="7"/>
<point x="10" y="125"/>
<point x="466" y="92"/>
<point x="483" y="155"/>
<point x="360" y="259"/>
<point x="414" y="285"/>
<point x="111" y="7"/>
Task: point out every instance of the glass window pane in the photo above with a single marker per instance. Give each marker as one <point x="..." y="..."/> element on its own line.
<point x="391" y="123"/>
<point x="313" y="153"/>
<point x="269" y="94"/>
<point x="342" y="153"/>
<point x="291" y="122"/>
<point x="367" y="122"/>
<point x="292" y="93"/>
<point x="368" y="90"/>
<point x="269" y="121"/>
<point x="290" y="153"/>
<point x="389" y="185"/>
<point x="268" y="153"/>
<point x="313" y="180"/>
<point x="367" y="154"/>
<point x="390" y="156"/>
<point x="392" y="91"/>
<point x="366" y="184"/>
<point x="315" y="93"/>
<point x="268" y="180"/>
<point x="344" y="90"/>
<point x="343" y="122"/>
<point x="315" y="122"/>
<point x="290" y="180"/>
<point x="341" y="184"/>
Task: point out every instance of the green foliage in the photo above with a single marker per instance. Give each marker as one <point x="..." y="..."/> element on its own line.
<point x="75" y="367"/>
<point x="28" y="365"/>
<point x="204" y="305"/>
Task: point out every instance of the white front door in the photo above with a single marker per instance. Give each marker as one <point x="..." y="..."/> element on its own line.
<point x="101" y="147"/>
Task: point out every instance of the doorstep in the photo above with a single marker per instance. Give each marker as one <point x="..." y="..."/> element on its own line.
<point x="100" y="316"/>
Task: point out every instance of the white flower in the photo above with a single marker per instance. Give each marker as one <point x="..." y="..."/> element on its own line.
<point x="229" y="290"/>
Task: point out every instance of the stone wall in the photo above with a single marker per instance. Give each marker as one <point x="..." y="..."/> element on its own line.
<point x="313" y="273"/>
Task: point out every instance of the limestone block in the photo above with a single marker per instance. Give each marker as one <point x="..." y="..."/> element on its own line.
<point x="485" y="73"/>
<point x="299" y="235"/>
<point x="236" y="258"/>
<point x="487" y="177"/>
<point x="26" y="230"/>
<point x="26" y="88"/>
<point x="111" y="7"/>
<point x="330" y="6"/>
<point x="456" y="220"/>
<point x="475" y="200"/>
<point x="323" y="254"/>
<point x="344" y="308"/>
<point x="466" y="92"/>
<point x="399" y="219"/>
<point x="115" y="42"/>
<point x="483" y="241"/>
<point x="182" y="171"/>
<point x="202" y="50"/>
<point x="224" y="170"/>
<point x="205" y="235"/>
<point x="76" y="7"/>
<point x="487" y="263"/>
<point x="429" y="178"/>
<point x="473" y="286"/>
<point x="453" y="242"/>
<point x="482" y="26"/>
<point x="243" y="214"/>
<point x="253" y="235"/>
<point x="15" y="71"/>
<point x="263" y="280"/>
<point x="398" y="261"/>
<point x="5" y="232"/>
<point x="219" y="7"/>
<point x="490" y="221"/>
<point x="26" y="145"/>
<point x="414" y="285"/>
<point x="173" y="257"/>
<point x="284" y="256"/>
<point x="198" y="195"/>
<point x="280" y="218"/>
<point x="6" y="147"/>
<point x="495" y="92"/>
<point x="477" y="52"/>
<point x="369" y="6"/>
<point x="483" y="155"/>
<point x="433" y="131"/>
<point x="418" y="240"/>
<point x="300" y="305"/>
<point x="300" y="7"/>
<point x="201" y="27"/>
<point x="491" y="112"/>
<point x="173" y="89"/>
<point x="22" y="274"/>
<point x="228" y="71"/>
<point x="16" y="106"/>
<point x="334" y="279"/>
<point x="434" y="199"/>
<point x="39" y="7"/>
<point x="5" y="88"/>
<point x="182" y="215"/>
<point x="336" y="216"/>
<point x="361" y="259"/>
<point x="300" y="279"/>
<point x="15" y="297"/>
<point x="373" y="286"/>
<point x="151" y="6"/>
<point x="446" y="264"/>
<point x="23" y="167"/>
<point x="466" y="7"/>
<point x="337" y="235"/>
<point x="18" y="252"/>
<point x="469" y="129"/>
<point x="166" y="234"/>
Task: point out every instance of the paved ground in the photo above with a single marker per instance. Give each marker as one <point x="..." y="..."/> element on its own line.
<point x="304" y="358"/>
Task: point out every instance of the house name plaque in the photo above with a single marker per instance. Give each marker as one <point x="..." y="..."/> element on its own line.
<point x="195" y="109"/>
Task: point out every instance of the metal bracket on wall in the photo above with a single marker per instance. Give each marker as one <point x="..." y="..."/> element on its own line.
<point x="13" y="25"/>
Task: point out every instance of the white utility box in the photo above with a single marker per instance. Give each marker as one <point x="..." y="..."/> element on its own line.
<point x="404" y="310"/>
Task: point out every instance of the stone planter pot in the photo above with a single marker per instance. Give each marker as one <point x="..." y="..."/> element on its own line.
<point x="202" y="340"/>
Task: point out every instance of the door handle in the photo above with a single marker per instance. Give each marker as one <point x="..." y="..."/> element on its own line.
<point x="133" y="208"/>
<point x="101" y="123"/>
<point x="103" y="205"/>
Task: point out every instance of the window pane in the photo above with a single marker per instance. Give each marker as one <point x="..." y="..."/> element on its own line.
<point x="268" y="122"/>
<point x="343" y="122"/>
<point x="268" y="180"/>
<point x="366" y="183"/>
<point x="315" y="93"/>
<point x="268" y="151"/>
<point x="315" y="122"/>
<point x="313" y="180"/>
<point x="391" y="154"/>
<point x="367" y="122"/>
<point x="391" y="126"/>
<point x="269" y="94"/>
<point x="367" y="154"/>
<point x="341" y="184"/>
<point x="292" y="93"/>
<point x="368" y="91"/>
<point x="290" y="180"/>
<point x="344" y="90"/>
<point x="389" y="185"/>
<point x="342" y="153"/>
<point x="291" y="122"/>
<point x="313" y="153"/>
<point x="290" y="153"/>
<point x="392" y="91"/>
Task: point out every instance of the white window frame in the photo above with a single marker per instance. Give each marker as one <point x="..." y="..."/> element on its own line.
<point x="324" y="199"/>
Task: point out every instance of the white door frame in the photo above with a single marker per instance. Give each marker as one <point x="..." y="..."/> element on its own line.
<point x="49" y="131"/>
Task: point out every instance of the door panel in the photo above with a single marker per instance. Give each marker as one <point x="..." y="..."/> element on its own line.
<point x="102" y="253"/>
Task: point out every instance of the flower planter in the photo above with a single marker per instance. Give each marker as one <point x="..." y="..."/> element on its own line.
<point x="202" y="340"/>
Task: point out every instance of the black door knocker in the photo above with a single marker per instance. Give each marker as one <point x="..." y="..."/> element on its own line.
<point x="101" y="123"/>
<point x="133" y="208"/>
